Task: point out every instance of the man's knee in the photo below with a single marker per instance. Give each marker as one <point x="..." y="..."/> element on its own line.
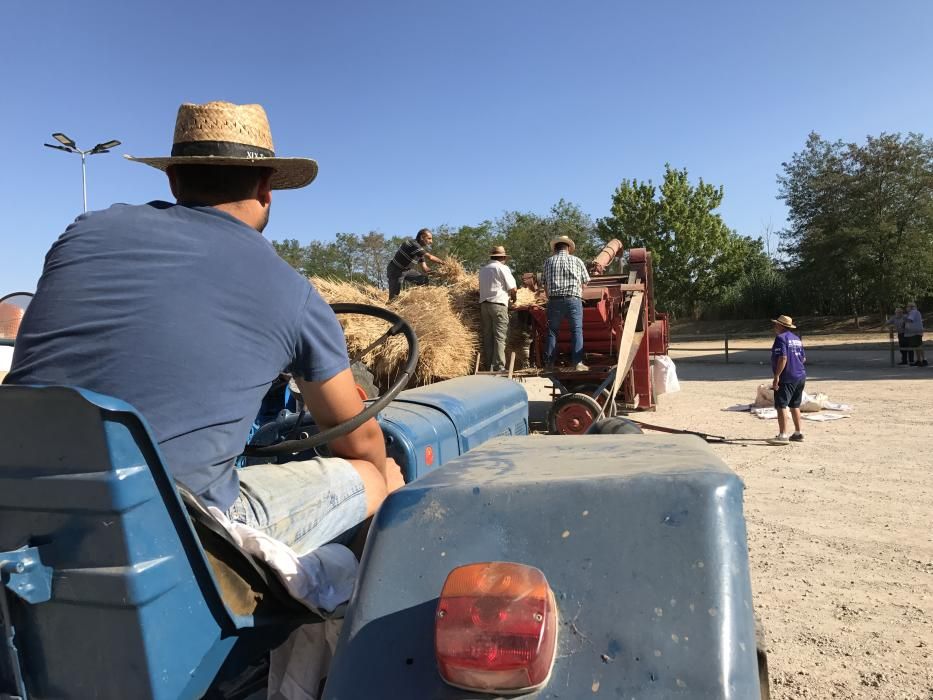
<point x="374" y="484"/>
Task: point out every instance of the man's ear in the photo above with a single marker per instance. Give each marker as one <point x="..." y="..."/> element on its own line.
<point x="264" y="189"/>
<point x="172" y="182"/>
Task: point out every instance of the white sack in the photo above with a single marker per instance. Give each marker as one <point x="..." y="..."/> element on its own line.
<point x="665" y="375"/>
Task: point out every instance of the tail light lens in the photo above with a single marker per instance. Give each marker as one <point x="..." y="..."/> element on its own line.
<point x="496" y="628"/>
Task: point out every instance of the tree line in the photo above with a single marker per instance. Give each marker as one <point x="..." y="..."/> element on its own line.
<point x="859" y="237"/>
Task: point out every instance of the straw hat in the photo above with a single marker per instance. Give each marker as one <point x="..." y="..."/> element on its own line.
<point x="498" y="251"/>
<point x="785" y="321"/>
<point x="221" y="133"/>
<point x="563" y="239"/>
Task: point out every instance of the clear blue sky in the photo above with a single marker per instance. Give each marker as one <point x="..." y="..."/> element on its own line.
<point x="431" y="112"/>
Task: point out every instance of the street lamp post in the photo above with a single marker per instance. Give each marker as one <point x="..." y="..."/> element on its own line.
<point x="69" y="146"/>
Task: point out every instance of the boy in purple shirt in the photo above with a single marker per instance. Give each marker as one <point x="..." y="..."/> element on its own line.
<point x="787" y="364"/>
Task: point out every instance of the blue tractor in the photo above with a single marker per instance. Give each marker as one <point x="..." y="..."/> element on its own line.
<point x="509" y="565"/>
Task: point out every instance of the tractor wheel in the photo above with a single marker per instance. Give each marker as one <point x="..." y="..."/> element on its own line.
<point x="601" y="399"/>
<point x="365" y="380"/>
<point x="572" y="414"/>
<point x="615" y="426"/>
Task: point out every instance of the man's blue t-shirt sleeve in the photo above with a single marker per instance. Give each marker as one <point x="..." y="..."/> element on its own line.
<point x="779" y="349"/>
<point x="320" y="346"/>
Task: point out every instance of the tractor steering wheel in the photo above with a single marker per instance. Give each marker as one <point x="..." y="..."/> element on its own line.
<point x="398" y="325"/>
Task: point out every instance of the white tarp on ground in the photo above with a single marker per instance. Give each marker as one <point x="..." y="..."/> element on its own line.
<point x="813" y="406"/>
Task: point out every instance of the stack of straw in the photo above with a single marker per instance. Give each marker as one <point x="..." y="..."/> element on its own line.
<point x="445" y="319"/>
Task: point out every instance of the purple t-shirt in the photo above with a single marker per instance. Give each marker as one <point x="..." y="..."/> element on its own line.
<point x="788" y="345"/>
<point x="187" y="314"/>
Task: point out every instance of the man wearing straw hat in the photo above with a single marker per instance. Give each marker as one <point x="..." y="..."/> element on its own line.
<point x="564" y="277"/>
<point x="496" y="289"/>
<point x="186" y="312"/>
<point x="790" y="376"/>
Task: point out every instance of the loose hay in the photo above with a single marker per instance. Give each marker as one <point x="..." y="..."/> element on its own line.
<point x="445" y="318"/>
<point x="448" y="340"/>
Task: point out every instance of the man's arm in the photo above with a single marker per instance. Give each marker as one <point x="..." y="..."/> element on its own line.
<point x="433" y="258"/>
<point x="510" y="285"/>
<point x="334" y="401"/>
<point x="781" y="364"/>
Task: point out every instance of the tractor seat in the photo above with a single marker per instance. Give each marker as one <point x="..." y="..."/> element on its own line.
<point x="119" y="582"/>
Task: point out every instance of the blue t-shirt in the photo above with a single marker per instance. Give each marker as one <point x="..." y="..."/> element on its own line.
<point x="788" y="345"/>
<point x="187" y="314"/>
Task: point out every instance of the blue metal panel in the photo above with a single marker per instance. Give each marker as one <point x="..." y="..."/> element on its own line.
<point x="480" y="407"/>
<point x="130" y="586"/>
<point x="641" y="537"/>
<point x="410" y="429"/>
<point x="450" y="418"/>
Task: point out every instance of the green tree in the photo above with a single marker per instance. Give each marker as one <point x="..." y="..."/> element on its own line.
<point x="527" y="236"/>
<point x="860" y="233"/>
<point x="696" y="256"/>
<point x="469" y="244"/>
<point x="292" y="252"/>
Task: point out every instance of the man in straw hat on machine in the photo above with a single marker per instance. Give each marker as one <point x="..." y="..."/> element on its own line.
<point x="496" y="289"/>
<point x="790" y="376"/>
<point x="564" y="277"/>
<point x="187" y="313"/>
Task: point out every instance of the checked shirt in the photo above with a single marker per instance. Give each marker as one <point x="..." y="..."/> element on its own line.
<point x="565" y="275"/>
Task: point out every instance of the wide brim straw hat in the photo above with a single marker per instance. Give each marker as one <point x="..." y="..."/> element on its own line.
<point x="221" y="133"/>
<point x="785" y="321"/>
<point x="498" y="251"/>
<point x="563" y="239"/>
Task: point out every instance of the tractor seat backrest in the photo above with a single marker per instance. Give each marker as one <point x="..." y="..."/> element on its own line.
<point x="134" y="607"/>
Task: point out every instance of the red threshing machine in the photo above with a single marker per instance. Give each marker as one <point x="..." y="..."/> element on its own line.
<point x="622" y="330"/>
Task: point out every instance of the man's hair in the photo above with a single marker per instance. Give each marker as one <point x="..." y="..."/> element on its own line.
<point x="420" y="235"/>
<point x="562" y="246"/>
<point x="216" y="184"/>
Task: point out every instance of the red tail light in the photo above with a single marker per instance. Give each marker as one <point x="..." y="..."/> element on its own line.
<point x="496" y="628"/>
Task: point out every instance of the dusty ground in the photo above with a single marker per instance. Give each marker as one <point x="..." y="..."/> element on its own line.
<point x="840" y="527"/>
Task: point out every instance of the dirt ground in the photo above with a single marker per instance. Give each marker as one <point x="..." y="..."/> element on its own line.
<point x="840" y="527"/>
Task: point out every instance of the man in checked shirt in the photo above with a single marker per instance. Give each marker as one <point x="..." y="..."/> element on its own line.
<point x="564" y="277"/>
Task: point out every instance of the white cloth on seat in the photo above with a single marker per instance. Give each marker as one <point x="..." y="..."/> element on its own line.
<point x="322" y="579"/>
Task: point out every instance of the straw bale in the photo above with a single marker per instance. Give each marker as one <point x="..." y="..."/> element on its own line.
<point x="526" y="297"/>
<point x="447" y="347"/>
<point x="447" y="344"/>
<point x="445" y="318"/>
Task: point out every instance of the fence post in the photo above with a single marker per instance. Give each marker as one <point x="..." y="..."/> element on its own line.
<point x="891" y="343"/>
<point x="727" y="348"/>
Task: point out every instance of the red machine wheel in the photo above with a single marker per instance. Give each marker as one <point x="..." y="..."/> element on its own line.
<point x="572" y="414"/>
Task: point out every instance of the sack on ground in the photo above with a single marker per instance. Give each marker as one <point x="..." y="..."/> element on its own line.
<point x="808" y="403"/>
<point x="665" y="376"/>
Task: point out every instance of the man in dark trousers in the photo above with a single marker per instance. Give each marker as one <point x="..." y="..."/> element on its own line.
<point x="790" y="376"/>
<point x="564" y="277"/>
<point x="188" y="314"/>
<point x="414" y="251"/>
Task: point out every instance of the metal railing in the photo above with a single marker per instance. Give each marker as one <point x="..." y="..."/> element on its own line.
<point x="728" y="342"/>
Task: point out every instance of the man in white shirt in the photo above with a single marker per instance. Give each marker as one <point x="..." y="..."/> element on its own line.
<point x="496" y="289"/>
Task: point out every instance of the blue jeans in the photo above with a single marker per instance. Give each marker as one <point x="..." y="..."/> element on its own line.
<point x="557" y="309"/>
<point x="302" y="504"/>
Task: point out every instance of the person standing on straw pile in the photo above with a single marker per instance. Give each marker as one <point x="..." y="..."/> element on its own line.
<point x="564" y="277"/>
<point x="496" y="289"/>
<point x="413" y="251"/>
